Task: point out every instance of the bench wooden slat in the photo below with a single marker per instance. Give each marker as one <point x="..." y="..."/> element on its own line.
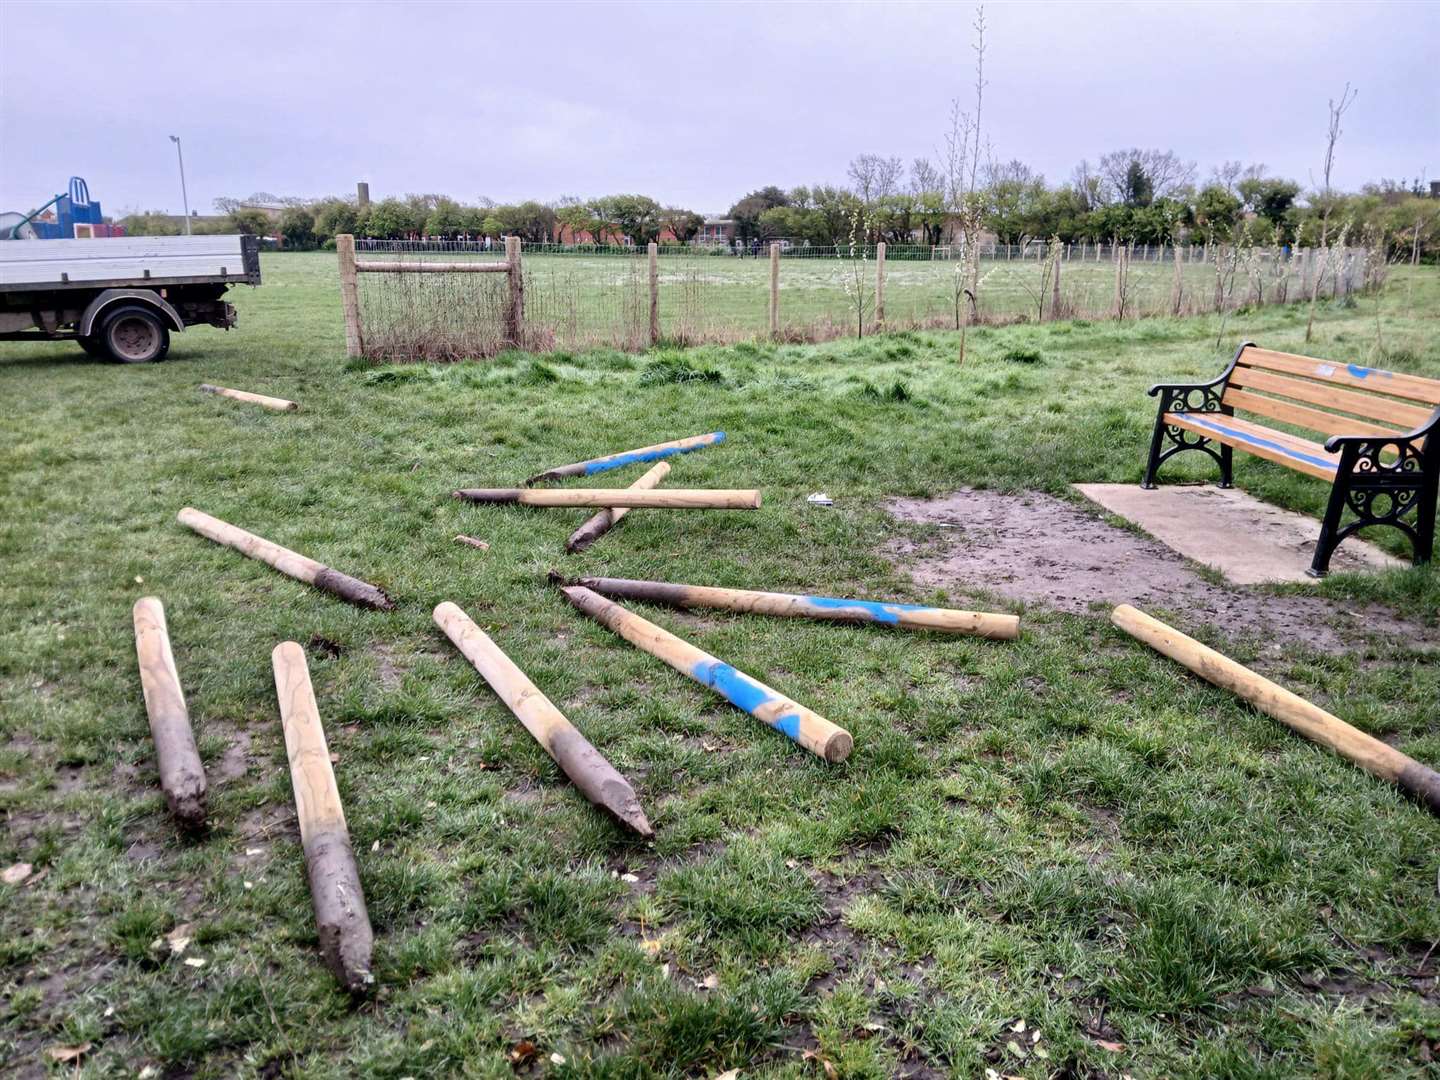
<point x="1288" y="412"/>
<point x="1371" y="406"/>
<point x="1288" y="450"/>
<point x="1375" y="380"/>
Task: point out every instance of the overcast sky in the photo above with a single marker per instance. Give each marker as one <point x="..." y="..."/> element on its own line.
<point x="693" y="103"/>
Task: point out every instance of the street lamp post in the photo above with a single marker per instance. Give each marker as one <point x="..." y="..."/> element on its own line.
<point x="185" y="198"/>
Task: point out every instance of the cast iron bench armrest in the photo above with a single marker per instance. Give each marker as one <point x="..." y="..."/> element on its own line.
<point x="1335" y="443"/>
<point x="1218" y="380"/>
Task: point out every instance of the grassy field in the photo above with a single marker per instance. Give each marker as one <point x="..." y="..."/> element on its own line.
<point x="604" y="299"/>
<point x="1061" y="856"/>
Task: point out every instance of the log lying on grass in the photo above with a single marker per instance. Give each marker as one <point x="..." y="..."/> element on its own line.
<point x="629" y="498"/>
<point x="346" y="939"/>
<point x="596" y="778"/>
<point x="606" y="520"/>
<point x="290" y="563"/>
<point x="808" y="728"/>
<point x="1295" y="712"/>
<point x="182" y="777"/>
<point x="792" y="605"/>
<point x="629" y="457"/>
<point x="276" y="403"/>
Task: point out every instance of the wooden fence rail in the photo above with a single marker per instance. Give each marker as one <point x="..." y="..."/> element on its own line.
<point x="512" y="267"/>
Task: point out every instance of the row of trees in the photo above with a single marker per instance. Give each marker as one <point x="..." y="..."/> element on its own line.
<point x="1140" y="196"/>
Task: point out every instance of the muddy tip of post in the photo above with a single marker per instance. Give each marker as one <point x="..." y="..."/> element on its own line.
<point x="637" y="821"/>
<point x="555" y="577"/>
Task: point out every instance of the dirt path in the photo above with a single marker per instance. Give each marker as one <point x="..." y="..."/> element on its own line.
<point x="1043" y="550"/>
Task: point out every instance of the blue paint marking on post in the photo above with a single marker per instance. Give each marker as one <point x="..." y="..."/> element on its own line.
<point x="885" y="613"/>
<point x="744" y="692"/>
<point x="790" y="725"/>
<point x="630" y="457"/>
<point x="1254" y="440"/>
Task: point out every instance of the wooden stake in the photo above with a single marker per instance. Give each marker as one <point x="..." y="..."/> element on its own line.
<point x="629" y="457"/>
<point x="278" y="404"/>
<point x="1295" y="712"/>
<point x="652" y="252"/>
<point x="479" y="545"/>
<point x="349" y="295"/>
<point x="182" y="777"/>
<point x="515" y="309"/>
<point x="290" y="563"/>
<point x="674" y="499"/>
<point x="606" y="520"/>
<point x="880" y="286"/>
<point x="791" y="605"/>
<point x="582" y="763"/>
<point x="346" y="939"/>
<point x="808" y="728"/>
<point x="774" y="289"/>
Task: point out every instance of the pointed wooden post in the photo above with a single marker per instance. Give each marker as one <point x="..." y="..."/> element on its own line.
<point x="653" y="254"/>
<point x="182" y="777"/>
<point x="349" y="295"/>
<point x="515" y="309"/>
<point x="343" y="923"/>
<point x="774" y="289"/>
<point x="880" y="287"/>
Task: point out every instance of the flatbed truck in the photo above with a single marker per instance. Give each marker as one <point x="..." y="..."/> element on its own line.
<point x="121" y="297"/>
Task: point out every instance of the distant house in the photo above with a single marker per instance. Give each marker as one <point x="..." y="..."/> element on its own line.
<point x="716" y="230"/>
<point x="568" y="236"/>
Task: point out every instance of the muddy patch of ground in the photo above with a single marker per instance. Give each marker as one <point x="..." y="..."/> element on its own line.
<point x="1039" y="549"/>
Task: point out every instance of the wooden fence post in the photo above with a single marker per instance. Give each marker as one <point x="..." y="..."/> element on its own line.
<point x="515" y="310"/>
<point x="774" y="289"/>
<point x="349" y="295"/>
<point x="1176" y="290"/>
<point x="653" y="252"/>
<point x="880" y="287"/>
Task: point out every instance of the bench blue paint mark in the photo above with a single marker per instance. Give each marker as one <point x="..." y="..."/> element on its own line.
<point x="1364" y="372"/>
<point x="742" y="691"/>
<point x="630" y="457"/>
<point x="1255" y="440"/>
<point x="884" y="613"/>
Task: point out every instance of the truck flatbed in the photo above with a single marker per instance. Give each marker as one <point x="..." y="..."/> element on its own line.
<point x="128" y="261"/>
<point x="120" y="297"/>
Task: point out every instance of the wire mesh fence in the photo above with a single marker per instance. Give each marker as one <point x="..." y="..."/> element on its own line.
<point x="631" y="298"/>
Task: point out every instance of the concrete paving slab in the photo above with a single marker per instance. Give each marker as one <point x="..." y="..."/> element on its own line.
<point x="1248" y="541"/>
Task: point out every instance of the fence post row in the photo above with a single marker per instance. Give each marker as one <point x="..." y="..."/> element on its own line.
<point x="1346" y="270"/>
<point x="349" y="294"/>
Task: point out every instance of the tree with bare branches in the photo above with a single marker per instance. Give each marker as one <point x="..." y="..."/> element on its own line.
<point x="1332" y="136"/>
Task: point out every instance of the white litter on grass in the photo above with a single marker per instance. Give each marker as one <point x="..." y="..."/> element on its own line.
<point x="819" y="498"/>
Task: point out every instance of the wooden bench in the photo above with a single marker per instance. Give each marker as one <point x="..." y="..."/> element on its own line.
<point x="1381" y="453"/>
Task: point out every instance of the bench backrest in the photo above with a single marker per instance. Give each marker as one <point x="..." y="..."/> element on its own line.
<point x="1351" y="400"/>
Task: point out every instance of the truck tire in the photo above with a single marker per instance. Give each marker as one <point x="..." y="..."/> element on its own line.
<point x="134" y="334"/>
<point x="91" y="345"/>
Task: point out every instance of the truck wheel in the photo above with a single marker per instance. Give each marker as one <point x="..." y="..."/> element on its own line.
<point x="134" y="335"/>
